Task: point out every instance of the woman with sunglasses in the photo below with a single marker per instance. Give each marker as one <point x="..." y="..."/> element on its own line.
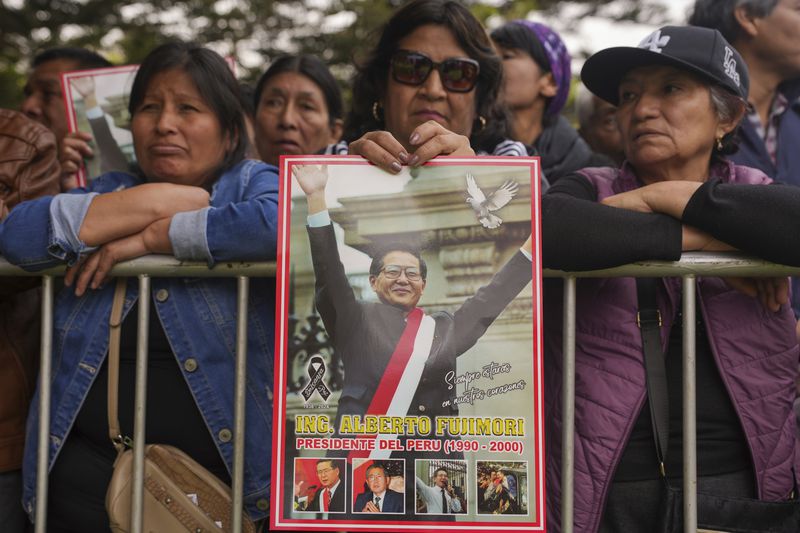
<point x="536" y="81"/>
<point x="429" y="87"/>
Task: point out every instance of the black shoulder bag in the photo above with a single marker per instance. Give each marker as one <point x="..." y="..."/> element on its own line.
<point x="714" y="513"/>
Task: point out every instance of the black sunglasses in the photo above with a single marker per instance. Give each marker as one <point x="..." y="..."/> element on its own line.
<point x="457" y="74"/>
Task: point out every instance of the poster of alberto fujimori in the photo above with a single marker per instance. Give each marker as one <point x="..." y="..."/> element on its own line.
<point x="408" y="346"/>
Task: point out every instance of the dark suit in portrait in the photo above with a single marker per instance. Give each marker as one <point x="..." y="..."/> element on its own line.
<point x="337" y="500"/>
<point x="365" y="334"/>
<point x="393" y="501"/>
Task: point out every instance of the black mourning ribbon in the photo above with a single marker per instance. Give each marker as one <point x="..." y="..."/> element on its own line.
<point x="316" y="382"/>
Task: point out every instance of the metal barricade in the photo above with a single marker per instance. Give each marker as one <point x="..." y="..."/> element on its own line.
<point x="691" y="266"/>
<point x="144" y="268"/>
<point x="688" y="268"/>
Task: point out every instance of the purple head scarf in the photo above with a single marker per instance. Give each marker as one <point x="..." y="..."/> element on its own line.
<point x="559" y="59"/>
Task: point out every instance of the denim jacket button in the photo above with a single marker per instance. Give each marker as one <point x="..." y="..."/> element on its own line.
<point x="225" y="435"/>
<point x="162" y="295"/>
<point x="190" y="365"/>
<point x="262" y="504"/>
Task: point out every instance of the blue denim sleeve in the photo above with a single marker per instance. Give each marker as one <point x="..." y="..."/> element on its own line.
<point x="244" y="229"/>
<point x="25" y="235"/>
<point x="43" y="233"/>
<point x="187" y="234"/>
<point x="67" y="212"/>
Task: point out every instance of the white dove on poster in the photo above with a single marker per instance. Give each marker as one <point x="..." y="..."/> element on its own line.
<point x="483" y="205"/>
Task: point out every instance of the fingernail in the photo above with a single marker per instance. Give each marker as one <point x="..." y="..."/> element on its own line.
<point x="414" y="160"/>
<point x="414" y="138"/>
<point x="403" y="157"/>
<point x="396" y="167"/>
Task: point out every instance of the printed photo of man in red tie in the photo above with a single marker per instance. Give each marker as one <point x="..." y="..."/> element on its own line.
<point x="329" y="497"/>
<point x="319" y="485"/>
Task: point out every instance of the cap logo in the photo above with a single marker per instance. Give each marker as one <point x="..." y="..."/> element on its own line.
<point x="730" y="66"/>
<point x="655" y="42"/>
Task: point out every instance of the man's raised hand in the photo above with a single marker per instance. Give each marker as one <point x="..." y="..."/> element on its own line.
<point x="313" y="179"/>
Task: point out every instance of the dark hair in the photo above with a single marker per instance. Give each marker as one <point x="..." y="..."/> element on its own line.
<point x="726" y="105"/>
<point x="333" y="462"/>
<point x="214" y="81"/>
<point x="312" y="68"/>
<point x="517" y="37"/>
<point x="373" y="466"/>
<point x="380" y="251"/>
<point x="440" y="469"/>
<point x="85" y="59"/>
<point x="718" y="14"/>
<point x="369" y="84"/>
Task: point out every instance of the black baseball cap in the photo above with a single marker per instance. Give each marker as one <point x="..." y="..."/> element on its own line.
<point x="702" y="51"/>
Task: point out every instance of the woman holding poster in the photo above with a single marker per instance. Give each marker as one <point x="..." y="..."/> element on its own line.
<point x="429" y="87"/>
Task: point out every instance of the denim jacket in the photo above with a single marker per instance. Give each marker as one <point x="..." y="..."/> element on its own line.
<point x="198" y="314"/>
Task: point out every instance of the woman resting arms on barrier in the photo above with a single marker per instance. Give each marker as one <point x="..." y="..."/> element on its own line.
<point x="429" y="87"/>
<point x="195" y="198"/>
<point x="681" y="95"/>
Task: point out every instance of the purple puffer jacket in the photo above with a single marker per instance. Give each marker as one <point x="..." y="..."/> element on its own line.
<point x="755" y="350"/>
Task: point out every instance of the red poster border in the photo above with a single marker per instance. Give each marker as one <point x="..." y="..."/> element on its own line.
<point x="277" y="522"/>
<point x="69" y="102"/>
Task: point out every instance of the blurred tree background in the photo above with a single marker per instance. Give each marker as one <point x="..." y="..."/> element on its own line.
<point x="253" y="31"/>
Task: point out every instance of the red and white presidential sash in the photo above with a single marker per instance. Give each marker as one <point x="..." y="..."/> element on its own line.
<point x="401" y="377"/>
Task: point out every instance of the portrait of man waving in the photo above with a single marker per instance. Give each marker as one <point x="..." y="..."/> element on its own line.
<point x="395" y="355"/>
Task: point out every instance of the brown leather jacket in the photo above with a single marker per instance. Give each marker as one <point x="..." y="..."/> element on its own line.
<point x="28" y="169"/>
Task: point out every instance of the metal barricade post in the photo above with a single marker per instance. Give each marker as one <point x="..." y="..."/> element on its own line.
<point x="689" y="406"/>
<point x="45" y="371"/>
<point x="243" y="288"/>
<point x="140" y="405"/>
<point x="568" y="398"/>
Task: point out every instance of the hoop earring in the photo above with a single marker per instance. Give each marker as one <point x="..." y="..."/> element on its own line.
<point x="719" y="144"/>
<point x="376" y="107"/>
<point x="482" y="122"/>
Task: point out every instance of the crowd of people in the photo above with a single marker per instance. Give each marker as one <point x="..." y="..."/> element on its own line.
<point x="686" y="142"/>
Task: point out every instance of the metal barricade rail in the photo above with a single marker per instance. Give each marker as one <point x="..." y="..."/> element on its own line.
<point x="691" y="266"/>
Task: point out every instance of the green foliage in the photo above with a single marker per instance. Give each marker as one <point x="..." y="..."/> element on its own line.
<point x="506" y="10"/>
<point x="338" y="31"/>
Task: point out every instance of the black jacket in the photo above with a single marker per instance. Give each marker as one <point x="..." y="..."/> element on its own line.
<point x="366" y="333"/>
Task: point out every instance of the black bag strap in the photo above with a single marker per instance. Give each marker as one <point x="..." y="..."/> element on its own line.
<point x="649" y="321"/>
